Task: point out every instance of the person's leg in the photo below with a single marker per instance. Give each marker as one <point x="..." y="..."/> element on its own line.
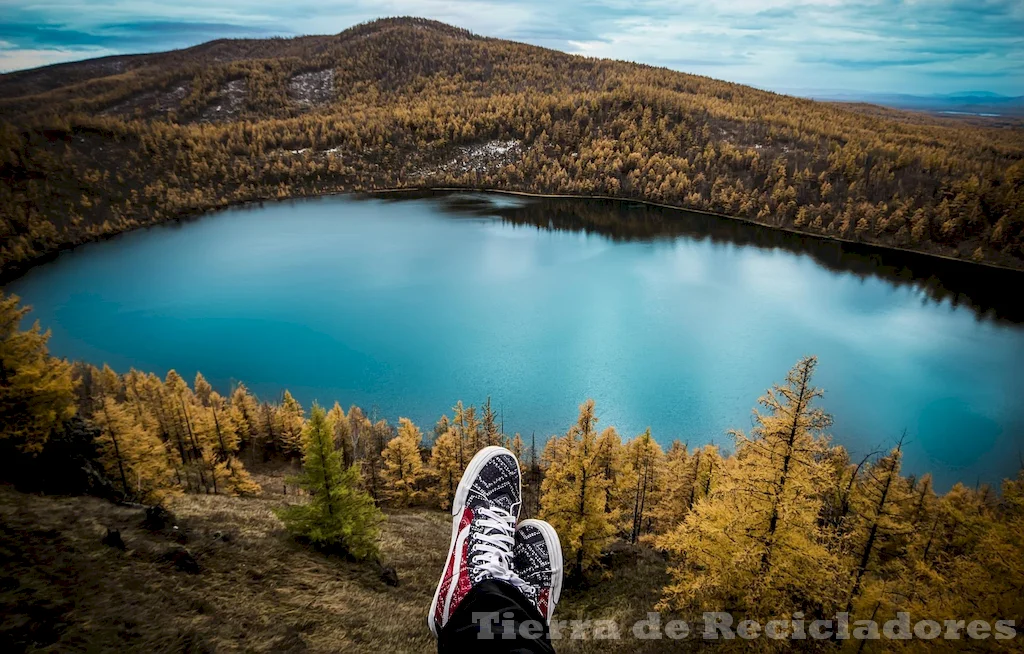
<point x="537" y="560"/>
<point x="482" y="602"/>
<point x="495" y="617"/>
<point x="485" y="510"/>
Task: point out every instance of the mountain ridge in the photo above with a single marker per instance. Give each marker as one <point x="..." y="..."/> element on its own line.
<point x="402" y="103"/>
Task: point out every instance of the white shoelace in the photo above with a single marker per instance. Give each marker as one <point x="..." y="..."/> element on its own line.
<point x="491" y="551"/>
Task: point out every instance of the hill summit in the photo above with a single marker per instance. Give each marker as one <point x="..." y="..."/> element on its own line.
<point x="98" y="147"/>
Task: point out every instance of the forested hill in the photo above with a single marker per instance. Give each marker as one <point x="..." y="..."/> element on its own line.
<point x="98" y="147"/>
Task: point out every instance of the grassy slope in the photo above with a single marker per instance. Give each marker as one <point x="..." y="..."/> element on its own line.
<point x="258" y="590"/>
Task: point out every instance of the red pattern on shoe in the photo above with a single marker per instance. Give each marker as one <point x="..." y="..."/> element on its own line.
<point x="542" y="601"/>
<point x="484" y="514"/>
<point x="446" y="579"/>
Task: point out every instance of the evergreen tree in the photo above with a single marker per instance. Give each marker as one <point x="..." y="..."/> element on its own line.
<point x="338" y="515"/>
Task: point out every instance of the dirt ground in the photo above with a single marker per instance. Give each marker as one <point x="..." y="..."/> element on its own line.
<point x="223" y="575"/>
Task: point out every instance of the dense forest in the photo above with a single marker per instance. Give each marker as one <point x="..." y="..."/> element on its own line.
<point x="786" y="524"/>
<point x="99" y="147"/>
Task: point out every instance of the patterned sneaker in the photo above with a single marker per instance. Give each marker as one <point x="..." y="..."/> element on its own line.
<point x="485" y="510"/>
<point x="538" y="561"/>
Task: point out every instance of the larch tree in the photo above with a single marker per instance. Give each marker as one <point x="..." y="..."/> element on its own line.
<point x="342" y="434"/>
<point x="376" y="440"/>
<point x="573" y="493"/>
<point x="467" y="427"/>
<point x="533" y="475"/>
<point x="359" y="427"/>
<point x="674" y="497"/>
<point x="291" y="417"/>
<point x="442" y="426"/>
<point x="202" y="389"/>
<point x="339" y="514"/>
<point x="245" y="411"/>
<point x="708" y="469"/>
<point x="36" y="390"/>
<point x="641" y="475"/>
<point x="444" y="459"/>
<point x="132" y="455"/>
<point x="755" y="544"/>
<point x="403" y="465"/>
<point x="235" y="479"/>
<point x="491" y="434"/>
<point x="270" y="425"/>
<point x="609" y="459"/>
<point x="879" y="503"/>
<point x="179" y="405"/>
<point x="515" y="445"/>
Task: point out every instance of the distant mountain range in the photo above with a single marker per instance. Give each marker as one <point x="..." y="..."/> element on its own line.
<point x="970" y="102"/>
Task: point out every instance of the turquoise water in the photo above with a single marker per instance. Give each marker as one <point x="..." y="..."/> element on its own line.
<point x="667" y="320"/>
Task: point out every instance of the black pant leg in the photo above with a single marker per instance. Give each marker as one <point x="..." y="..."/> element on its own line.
<point x="495" y="618"/>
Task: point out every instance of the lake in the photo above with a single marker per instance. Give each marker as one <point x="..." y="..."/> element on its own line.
<point x="667" y="319"/>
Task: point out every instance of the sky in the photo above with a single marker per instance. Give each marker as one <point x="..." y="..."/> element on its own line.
<point x="795" y="46"/>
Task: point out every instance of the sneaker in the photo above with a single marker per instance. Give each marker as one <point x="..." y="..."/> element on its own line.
<point x="485" y="511"/>
<point x="537" y="560"/>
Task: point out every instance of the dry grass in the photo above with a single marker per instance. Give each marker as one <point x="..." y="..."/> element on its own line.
<point x="257" y="590"/>
<point x="64" y="590"/>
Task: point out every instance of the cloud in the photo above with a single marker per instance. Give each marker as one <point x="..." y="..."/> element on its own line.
<point x="915" y="46"/>
<point x="21" y="58"/>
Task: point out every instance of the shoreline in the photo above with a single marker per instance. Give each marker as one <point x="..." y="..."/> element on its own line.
<point x="15" y="272"/>
<point x="672" y="207"/>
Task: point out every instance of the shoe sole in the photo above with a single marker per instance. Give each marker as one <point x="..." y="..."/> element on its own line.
<point x="555" y="551"/>
<point x="458" y="506"/>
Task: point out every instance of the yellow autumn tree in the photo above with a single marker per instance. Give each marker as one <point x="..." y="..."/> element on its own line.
<point x="232" y="476"/>
<point x="638" y="483"/>
<point x="444" y="459"/>
<point x="674" y="496"/>
<point x="609" y="460"/>
<point x="132" y="455"/>
<point x="342" y="434"/>
<point x="403" y="466"/>
<point x="573" y="493"/>
<point x="515" y="445"/>
<point x="292" y="423"/>
<point x="880" y="525"/>
<point x="245" y="412"/>
<point x="36" y="390"/>
<point x="755" y="544"/>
